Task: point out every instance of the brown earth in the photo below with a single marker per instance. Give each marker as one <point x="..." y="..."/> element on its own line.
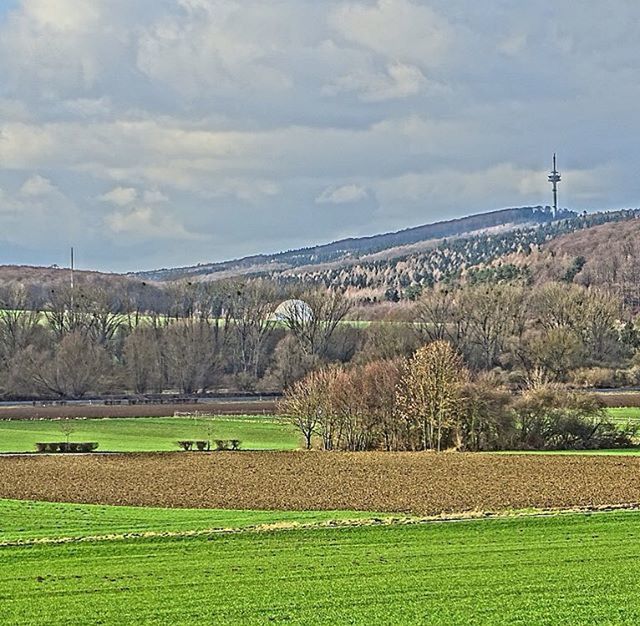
<point x="620" y="399"/>
<point x="22" y="412"/>
<point x="420" y="483"/>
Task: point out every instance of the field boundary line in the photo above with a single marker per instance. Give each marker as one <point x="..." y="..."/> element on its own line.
<point x="391" y="520"/>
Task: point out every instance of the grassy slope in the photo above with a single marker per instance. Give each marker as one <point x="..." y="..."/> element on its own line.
<point x="150" y="434"/>
<point x="625" y="414"/>
<point x="23" y="520"/>
<point x="160" y="434"/>
<point x="573" y="569"/>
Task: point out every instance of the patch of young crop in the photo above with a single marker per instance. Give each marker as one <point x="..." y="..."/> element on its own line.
<point x="563" y="570"/>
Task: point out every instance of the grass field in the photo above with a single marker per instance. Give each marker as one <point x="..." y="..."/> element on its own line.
<point x="567" y="569"/>
<point x="150" y="433"/>
<point x="21" y="520"/>
<point x="155" y="434"/>
<point x="625" y="414"/>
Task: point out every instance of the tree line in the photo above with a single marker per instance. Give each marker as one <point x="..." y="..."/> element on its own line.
<point x="198" y="337"/>
<point x="431" y="401"/>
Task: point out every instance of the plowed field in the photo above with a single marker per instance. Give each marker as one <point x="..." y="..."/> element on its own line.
<point x="222" y="407"/>
<point x="426" y="484"/>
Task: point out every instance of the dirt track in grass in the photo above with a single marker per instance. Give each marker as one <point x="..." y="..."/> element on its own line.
<point x="420" y="483"/>
<point x="222" y="407"/>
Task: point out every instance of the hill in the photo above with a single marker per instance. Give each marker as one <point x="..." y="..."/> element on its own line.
<point x="348" y="251"/>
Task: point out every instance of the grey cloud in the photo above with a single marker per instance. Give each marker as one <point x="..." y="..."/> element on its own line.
<point x="178" y="131"/>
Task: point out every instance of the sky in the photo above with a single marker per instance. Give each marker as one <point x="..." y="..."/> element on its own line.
<point x="156" y="133"/>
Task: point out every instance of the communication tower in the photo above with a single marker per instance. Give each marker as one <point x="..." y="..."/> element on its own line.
<point x="554" y="179"/>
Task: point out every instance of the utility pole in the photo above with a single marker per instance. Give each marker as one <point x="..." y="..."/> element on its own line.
<point x="554" y="179"/>
<point x="72" y="268"/>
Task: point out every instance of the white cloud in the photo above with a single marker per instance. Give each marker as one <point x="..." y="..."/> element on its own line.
<point x="218" y="47"/>
<point x="227" y="118"/>
<point x="120" y="196"/>
<point x="398" y="81"/>
<point x="342" y="195"/>
<point x="398" y="29"/>
<point x="154" y="196"/>
<point x="146" y="223"/>
<point x="37" y="186"/>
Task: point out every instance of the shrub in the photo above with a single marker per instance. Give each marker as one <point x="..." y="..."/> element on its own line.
<point x="186" y="445"/>
<point x="202" y="445"/>
<point x="41" y="447"/>
<point x="594" y="377"/>
<point x="235" y="444"/>
<point x="222" y="444"/>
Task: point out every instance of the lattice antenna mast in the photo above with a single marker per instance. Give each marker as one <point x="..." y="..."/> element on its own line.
<point x="554" y="179"/>
<point x="71" y="279"/>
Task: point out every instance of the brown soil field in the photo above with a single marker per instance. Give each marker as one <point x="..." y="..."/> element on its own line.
<point x="620" y="399"/>
<point x="419" y="483"/>
<point x="27" y="412"/>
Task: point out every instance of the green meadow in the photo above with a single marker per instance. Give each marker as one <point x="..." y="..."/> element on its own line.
<point x="563" y="569"/>
<point x="149" y="434"/>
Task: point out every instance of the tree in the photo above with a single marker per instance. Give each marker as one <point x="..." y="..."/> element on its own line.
<point x="552" y="417"/>
<point x="76" y="366"/>
<point x="251" y="308"/>
<point x="143" y="360"/>
<point x="429" y="393"/>
<point x="314" y="327"/>
<point x="19" y="326"/>
<point x="192" y="354"/>
<point x="486" y="415"/>
<point x="303" y="404"/>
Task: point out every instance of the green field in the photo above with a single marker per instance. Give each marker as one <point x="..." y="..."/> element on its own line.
<point x="150" y="433"/>
<point x="625" y="414"/>
<point x="25" y="521"/>
<point x="566" y="569"/>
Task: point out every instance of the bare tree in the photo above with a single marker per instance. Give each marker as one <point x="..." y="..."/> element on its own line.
<point x="429" y="392"/>
<point x="143" y="359"/>
<point x="251" y="308"/>
<point x="313" y="325"/>
<point x="303" y="404"/>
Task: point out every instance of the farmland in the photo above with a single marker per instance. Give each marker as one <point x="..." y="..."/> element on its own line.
<point x="419" y="483"/>
<point x="151" y="434"/>
<point x="564" y="569"/>
<point x="160" y="434"/>
<point x="23" y="521"/>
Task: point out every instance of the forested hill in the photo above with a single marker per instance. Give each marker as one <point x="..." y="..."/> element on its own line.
<point x="353" y="249"/>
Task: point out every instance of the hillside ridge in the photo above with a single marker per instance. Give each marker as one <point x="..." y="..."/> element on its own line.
<point x="349" y="248"/>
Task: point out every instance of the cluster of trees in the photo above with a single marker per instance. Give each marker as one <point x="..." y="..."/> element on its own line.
<point x="194" y="338"/>
<point x="430" y="401"/>
<point x="451" y="261"/>
<point x="559" y="330"/>
<point x="91" y="339"/>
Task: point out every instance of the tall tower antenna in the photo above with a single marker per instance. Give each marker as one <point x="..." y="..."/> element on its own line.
<point x="71" y="277"/>
<point x="554" y="179"/>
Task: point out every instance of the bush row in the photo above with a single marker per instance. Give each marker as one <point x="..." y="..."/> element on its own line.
<point x="204" y="445"/>
<point x="85" y="446"/>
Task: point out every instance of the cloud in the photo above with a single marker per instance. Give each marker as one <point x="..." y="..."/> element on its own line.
<point x="120" y="196"/>
<point x="236" y="120"/>
<point x="397" y="29"/>
<point x="144" y="223"/>
<point x="397" y="81"/>
<point x="342" y="195"/>
<point x="154" y="196"/>
<point x="37" y="186"/>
